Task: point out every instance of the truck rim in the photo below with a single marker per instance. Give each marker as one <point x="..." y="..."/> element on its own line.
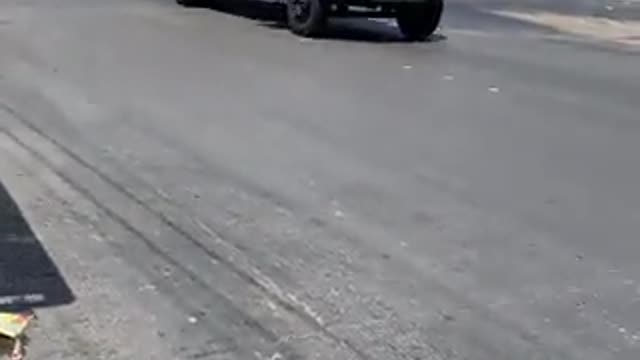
<point x="301" y="10"/>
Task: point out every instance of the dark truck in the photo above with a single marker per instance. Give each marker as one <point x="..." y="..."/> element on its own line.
<point x="416" y="19"/>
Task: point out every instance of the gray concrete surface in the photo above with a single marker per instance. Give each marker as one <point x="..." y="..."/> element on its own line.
<point x="613" y="9"/>
<point x="212" y="187"/>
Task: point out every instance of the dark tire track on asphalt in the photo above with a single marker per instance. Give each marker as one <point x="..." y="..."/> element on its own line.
<point x="167" y="290"/>
<point x="150" y="245"/>
<point x="443" y="349"/>
<point x="309" y="320"/>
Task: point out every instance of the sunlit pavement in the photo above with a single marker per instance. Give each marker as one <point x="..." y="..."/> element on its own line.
<point x="210" y="186"/>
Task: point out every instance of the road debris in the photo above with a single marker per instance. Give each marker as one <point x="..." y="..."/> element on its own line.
<point x="494" y="89"/>
<point x="147" y="287"/>
<point x="12" y="327"/>
<point x="18" y="352"/>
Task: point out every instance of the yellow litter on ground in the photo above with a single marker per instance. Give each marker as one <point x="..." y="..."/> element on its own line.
<point x="12" y="325"/>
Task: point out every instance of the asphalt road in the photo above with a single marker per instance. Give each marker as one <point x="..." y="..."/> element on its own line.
<point x="211" y="187"/>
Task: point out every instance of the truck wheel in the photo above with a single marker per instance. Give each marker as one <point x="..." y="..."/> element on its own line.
<point x="307" y="17"/>
<point x="418" y="21"/>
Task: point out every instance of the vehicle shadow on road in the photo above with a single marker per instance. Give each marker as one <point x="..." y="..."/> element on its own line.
<point x="360" y="30"/>
<point x="272" y="16"/>
<point x="29" y="278"/>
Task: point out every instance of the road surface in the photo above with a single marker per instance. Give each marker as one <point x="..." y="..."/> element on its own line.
<point x="209" y="186"/>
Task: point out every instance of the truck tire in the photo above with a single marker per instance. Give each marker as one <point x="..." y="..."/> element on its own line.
<point x="417" y="21"/>
<point x="307" y="17"/>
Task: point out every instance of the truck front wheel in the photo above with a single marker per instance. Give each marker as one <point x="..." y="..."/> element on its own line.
<point x="417" y="21"/>
<point x="307" y="17"/>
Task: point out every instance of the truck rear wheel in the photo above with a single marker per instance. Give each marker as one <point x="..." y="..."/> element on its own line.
<point x="417" y="21"/>
<point x="307" y="17"/>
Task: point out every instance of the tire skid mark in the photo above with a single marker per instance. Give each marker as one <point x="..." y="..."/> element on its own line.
<point x="157" y="251"/>
<point x="250" y="275"/>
